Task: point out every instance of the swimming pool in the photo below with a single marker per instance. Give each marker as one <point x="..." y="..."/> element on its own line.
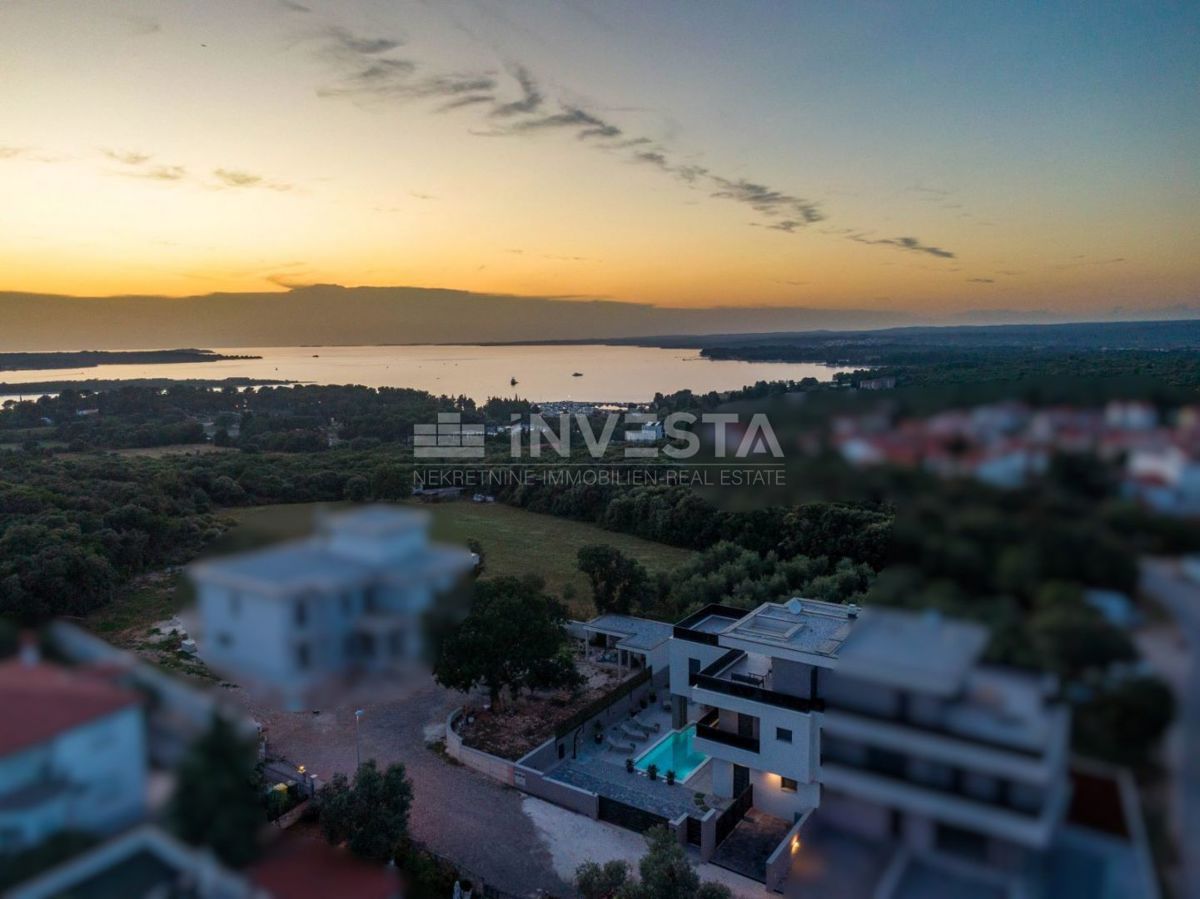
<point x="673" y="752"/>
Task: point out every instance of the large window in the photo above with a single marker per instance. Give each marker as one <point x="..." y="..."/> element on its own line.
<point x="788" y="785"/>
<point x="783" y="735"/>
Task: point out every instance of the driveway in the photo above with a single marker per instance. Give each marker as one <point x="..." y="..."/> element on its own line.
<point x="476" y="822"/>
<point x="1161" y="579"/>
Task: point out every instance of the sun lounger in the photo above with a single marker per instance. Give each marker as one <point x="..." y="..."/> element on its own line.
<point x="650" y="726"/>
<point x="619" y="747"/>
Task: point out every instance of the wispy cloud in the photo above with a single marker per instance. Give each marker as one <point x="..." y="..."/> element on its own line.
<point x="236" y="178"/>
<point x="912" y="244"/>
<point x="345" y="41"/>
<point x="10" y="152"/>
<point x="981" y="280"/>
<point x="293" y="6"/>
<point x="531" y="96"/>
<point x="161" y="173"/>
<point x="127" y="157"/>
<point x="369" y="69"/>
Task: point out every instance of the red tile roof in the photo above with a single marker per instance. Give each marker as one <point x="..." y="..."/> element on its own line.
<point x="39" y="701"/>
<point x="301" y="868"/>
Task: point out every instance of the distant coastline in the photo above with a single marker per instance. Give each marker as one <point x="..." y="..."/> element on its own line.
<point x="94" y="358"/>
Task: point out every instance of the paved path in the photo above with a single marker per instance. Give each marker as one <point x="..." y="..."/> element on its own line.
<point x="1161" y="579"/>
<point x="457" y="812"/>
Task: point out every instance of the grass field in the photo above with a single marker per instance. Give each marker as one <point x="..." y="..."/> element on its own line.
<point x="515" y="542"/>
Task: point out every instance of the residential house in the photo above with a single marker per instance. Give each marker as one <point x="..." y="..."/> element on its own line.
<point x="758" y="679"/>
<point x="72" y="753"/>
<point x="298" y="617"/>
<point x="880" y="723"/>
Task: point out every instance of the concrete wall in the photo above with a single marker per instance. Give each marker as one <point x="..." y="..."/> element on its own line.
<point x="682" y="650"/>
<point x="486" y="763"/>
<point x="779" y="862"/>
<point x="770" y="797"/>
<point x="537" y="784"/>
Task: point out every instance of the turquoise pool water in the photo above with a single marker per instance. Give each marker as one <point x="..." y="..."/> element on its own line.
<point x="673" y="752"/>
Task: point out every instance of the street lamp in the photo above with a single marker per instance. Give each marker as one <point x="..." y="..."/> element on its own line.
<point x="358" y="713"/>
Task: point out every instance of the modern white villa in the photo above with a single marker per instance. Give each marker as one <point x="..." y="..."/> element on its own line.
<point x="72" y="753"/>
<point x="756" y="682"/>
<point x="294" y="618"/>
<point x="832" y="750"/>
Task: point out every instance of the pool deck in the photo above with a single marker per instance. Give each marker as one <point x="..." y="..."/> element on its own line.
<point x="599" y="769"/>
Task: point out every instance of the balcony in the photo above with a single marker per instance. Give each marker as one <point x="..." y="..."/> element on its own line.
<point x="736" y="674"/>
<point x="708" y="728"/>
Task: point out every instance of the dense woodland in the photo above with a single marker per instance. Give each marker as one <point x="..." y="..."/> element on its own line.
<point x="77" y="522"/>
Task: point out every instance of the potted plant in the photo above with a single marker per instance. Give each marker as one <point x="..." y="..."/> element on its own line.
<point x="653" y="772"/>
<point x="670" y="778"/>
<point x="598" y="732"/>
<point x="629" y="765"/>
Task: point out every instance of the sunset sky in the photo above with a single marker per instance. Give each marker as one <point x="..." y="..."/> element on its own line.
<point x="905" y="156"/>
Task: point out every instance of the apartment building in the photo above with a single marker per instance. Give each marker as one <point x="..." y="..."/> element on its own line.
<point x="927" y="745"/>
<point x="294" y="618"/>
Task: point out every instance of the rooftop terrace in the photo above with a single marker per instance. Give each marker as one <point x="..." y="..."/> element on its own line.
<point x="806" y="626"/>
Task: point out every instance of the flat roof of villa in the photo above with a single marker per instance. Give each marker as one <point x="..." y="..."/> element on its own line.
<point x="921" y="650"/>
<point x="802" y="625"/>
<point x="282" y="568"/>
<point x="638" y="633"/>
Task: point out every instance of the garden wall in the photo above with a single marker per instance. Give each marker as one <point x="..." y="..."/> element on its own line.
<point x="484" y="762"/>
<point x="535" y="783"/>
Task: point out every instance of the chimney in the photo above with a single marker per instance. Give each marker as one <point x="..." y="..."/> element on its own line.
<point x="30" y="653"/>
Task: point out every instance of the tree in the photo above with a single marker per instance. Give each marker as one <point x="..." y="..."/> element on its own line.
<point x="664" y="873"/>
<point x="216" y="800"/>
<point x="1124" y="723"/>
<point x="594" y="881"/>
<point x="618" y="582"/>
<point x="1072" y="639"/>
<point x="370" y="815"/>
<point x="512" y="637"/>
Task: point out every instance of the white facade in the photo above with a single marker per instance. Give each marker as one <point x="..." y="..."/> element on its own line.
<point x="291" y="619"/>
<point x="758" y="678"/>
<point x="887" y="720"/>
<point x="951" y="755"/>
<point x="73" y="757"/>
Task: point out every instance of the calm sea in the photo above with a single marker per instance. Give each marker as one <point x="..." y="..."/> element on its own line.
<point x="615" y="373"/>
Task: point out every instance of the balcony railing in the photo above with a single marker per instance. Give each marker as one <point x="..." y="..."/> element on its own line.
<point x="711" y="678"/>
<point x="708" y="729"/>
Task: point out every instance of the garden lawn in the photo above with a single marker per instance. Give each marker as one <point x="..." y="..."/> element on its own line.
<point x="515" y="542"/>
